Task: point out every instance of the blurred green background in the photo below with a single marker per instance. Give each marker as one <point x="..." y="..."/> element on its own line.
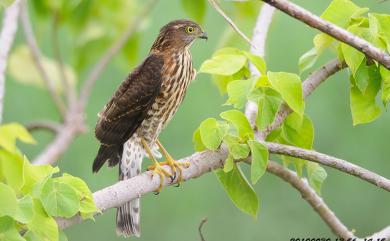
<point x="175" y="214"/>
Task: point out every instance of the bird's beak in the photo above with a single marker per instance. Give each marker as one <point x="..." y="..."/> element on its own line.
<point x="203" y="35"/>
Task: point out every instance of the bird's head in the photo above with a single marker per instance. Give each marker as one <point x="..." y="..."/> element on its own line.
<point x="178" y="35"/>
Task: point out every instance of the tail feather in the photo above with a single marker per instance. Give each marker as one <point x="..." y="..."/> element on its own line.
<point x="128" y="215"/>
<point x="111" y="153"/>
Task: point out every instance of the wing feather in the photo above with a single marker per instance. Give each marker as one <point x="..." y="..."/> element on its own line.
<point x="126" y="110"/>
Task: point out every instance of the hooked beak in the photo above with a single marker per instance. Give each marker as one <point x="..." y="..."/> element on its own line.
<point x="203" y="35"/>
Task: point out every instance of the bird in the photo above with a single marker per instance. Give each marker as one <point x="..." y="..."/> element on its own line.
<point x="128" y="126"/>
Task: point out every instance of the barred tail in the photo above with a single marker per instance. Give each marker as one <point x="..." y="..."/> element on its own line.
<point x="128" y="215"/>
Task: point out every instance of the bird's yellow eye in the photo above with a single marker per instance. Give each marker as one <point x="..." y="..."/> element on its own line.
<point x="190" y="29"/>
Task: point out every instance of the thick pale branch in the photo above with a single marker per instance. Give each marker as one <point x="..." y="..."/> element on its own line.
<point x="308" y="86"/>
<point x="330" y="161"/>
<point x="112" y="51"/>
<point x="37" y="56"/>
<point x="124" y="191"/>
<point x="7" y="36"/>
<point x="312" y="198"/>
<point x="333" y="30"/>
<point x="230" y="21"/>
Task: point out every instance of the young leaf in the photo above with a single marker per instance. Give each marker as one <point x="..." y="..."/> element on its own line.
<point x="195" y="9"/>
<point x="316" y="175"/>
<point x="8" y="202"/>
<point x="259" y="160"/>
<point x="229" y="163"/>
<point x="224" y="64"/>
<point x="298" y="131"/>
<point x="42" y="226"/>
<point x="239" y="190"/>
<point x="237" y="149"/>
<point x="268" y="106"/>
<point x="239" y="120"/>
<point x="307" y="60"/>
<point x="8" y="230"/>
<point x="10" y="133"/>
<point x="257" y="61"/>
<point x="363" y="106"/>
<point x="238" y="91"/>
<point x="210" y="134"/>
<point x="385" y="74"/>
<point x="289" y="87"/>
<point x="340" y="12"/>
<point x="11" y="166"/>
<point x="87" y="205"/>
<point x="197" y="140"/>
<point x="59" y="199"/>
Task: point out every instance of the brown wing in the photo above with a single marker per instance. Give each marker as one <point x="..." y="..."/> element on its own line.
<point x="128" y="107"/>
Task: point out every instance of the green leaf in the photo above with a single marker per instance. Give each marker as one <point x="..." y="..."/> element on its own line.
<point x="259" y="160"/>
<point x="8" y="201"/>
<point x="340" y="12"/>
<point x="239" y="120"/>
<point x="363" y="106"/>
<point x="87" y="205"/>
<point x="257" y="61"/>
<point x="237" y="150"/>
<point x="62" y="236"/>
<point x="59" y="199"/>
<point x="268" y="107"/>
<point x="298" y="131"/>
<point x="10" y="133"/>
<point x="289" y="87"/>
<point x="352" y="57"/>
<point x="239" y="190"/>
<point x="8" y="230"/>
<point x="380" y="29"/>
<point x="11" y="166"/>
<point x="316" y="175"/>
<point x="307" y="60"/>
<point x="238" y="91"/>
<point x="197" y="140"/>
<point x="222" y="82"/>
<point x="21" y="58"/>
<point x="211" y="134"/>
<point x="322" y="41"/>
<point x="195" y="9"/>
<point x="385" y="74"/>
<point x="224" y="64"/>
<point x="229" y="164"/>
<point x="42" y="226"/>
<point x="34" y="176"/>
<point x="25" y="212"/>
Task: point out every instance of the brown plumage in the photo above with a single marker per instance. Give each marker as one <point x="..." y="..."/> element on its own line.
<point x="142" y="106"/>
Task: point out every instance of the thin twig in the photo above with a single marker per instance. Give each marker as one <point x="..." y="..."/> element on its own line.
<point x="69" y="92"/>
<point x="112" y="51"/>
<point x="7" y="36"/>
<point x="330" y="161"/>
<point x="333" y="30"/>
<point x="36" y="54"/>
<point x="230" y="21"/>
<point x="202" y="223"/>
<point x="45" y="125"/>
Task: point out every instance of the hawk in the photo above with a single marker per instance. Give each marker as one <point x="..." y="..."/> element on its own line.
<point x="130" y="123"/>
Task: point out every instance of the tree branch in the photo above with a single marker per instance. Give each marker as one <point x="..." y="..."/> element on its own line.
<point x="333" y="30"/>
<point x="44" y="124"/>
<point x="308" y="86"/>
<point x="312" y="198"/>
<point x="218" y="8"/>
<point x="37" y="56"/>
<point x="7" y="36"/>
<point x="260" y="33"/>
<point x="330" y="161"/>
<point x="112" y="51"/>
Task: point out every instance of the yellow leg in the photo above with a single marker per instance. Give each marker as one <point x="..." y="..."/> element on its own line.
<point x="172" y="163"/>
<point x="156" y="167"/>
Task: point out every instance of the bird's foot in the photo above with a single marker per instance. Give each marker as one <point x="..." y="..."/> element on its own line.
<point x="159" y="170"/>
<point x="176" y="167"/>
